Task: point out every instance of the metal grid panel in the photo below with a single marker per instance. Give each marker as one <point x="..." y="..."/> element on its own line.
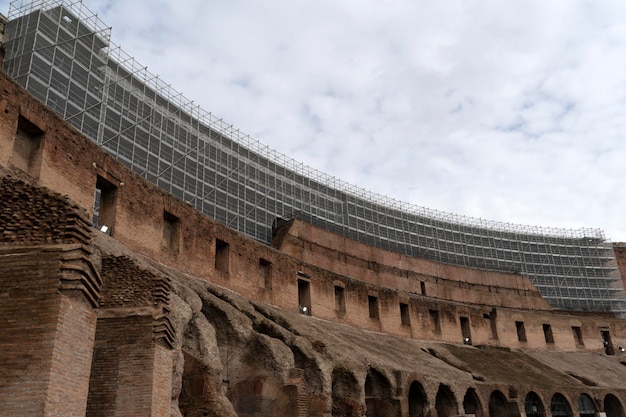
<point x="61" y="52"/>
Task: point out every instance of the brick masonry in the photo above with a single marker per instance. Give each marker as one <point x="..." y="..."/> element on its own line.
<point x="96" y="325"/>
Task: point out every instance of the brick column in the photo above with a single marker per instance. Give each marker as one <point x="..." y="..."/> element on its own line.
<point x="47" y="327"/>
<point x="132" y="362"/>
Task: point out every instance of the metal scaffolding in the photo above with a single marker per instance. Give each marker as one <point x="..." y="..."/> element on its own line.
<point x="62" y="53"/>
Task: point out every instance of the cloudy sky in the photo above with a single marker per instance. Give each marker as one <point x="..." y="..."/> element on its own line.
<point x="504" y="110"/>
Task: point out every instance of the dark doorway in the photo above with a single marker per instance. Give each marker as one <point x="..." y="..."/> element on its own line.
<point x="586" y="408"/>
<point x="613" y="407"/>
<point x="344" y="394"/>
<point x="559" y="406"/>
<point x="534" y="406"/>
<point x="471" y="403"/>
<point x="379" y="399"/>
<point x="445" y="403"/>
<point x="498" y="405"/>
<point x="417" y="400"/>
<point x="607" y="343"/>
<point x="465" y="330"/>
<point x="304" y="297"/>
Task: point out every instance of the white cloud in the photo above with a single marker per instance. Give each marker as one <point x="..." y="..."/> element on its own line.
<point x="509" y="111"/>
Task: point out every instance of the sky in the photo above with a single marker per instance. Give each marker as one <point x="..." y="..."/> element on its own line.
<point x="503" y="110"/>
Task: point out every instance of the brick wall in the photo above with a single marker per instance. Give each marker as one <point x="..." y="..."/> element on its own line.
<point x="46" y="337"/>
<point x="31" y="215"/>
<point x="132" y="362"/>
<point x="122" y="371"/>
<point x="141" y="211"/>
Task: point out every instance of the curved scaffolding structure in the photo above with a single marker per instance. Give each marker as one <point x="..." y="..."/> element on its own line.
<point x="62" y="53"/>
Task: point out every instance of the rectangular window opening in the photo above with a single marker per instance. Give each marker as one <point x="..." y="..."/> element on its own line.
<point x="222" y="256"/>
<point x="466" y="330"/>
<point x="493" y="324"/>
<point x="265" y="270"/>
<point x="405" y="317"/>
<point x="104" y="206"/>
<point x="27" y="147"/>
<point x="547" y="332"/>
<point x="372" y="302"/>
<point x="435" y="324"/>
<point x="340" y="300"/>
<point x="578" y="335"/>
<point x="521" y="331"/>
<point x="423" y="287"/>
<point x="170" y="230"/>
<point x="304" y="296"/>
<point x="606" y="342"/>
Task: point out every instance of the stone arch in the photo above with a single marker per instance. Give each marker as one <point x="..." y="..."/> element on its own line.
<point x="192" y="400"/>
<point x="311" y="369"/>
<point x="498" y="405"/>
<point x="261" y="396"/>
<point x="471" y="403"/>
<point x="345" y="394"/>
<point x="445" y="402"/>
<point x="613" y="406"/>
<point x="586" y="407"/>
<point x="418" y="402"/>
<point x="379" y="401"/>
<point x="559" y="406"/>
<point x="533" y="405"/>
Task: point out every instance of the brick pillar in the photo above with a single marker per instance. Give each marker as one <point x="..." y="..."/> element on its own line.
<point x="47" y="328"/>
<point x="132" y="366"/>
<point x="132" y="362"/>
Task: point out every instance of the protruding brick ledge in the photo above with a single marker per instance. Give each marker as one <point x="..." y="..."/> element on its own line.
<point x="76" y="270"/>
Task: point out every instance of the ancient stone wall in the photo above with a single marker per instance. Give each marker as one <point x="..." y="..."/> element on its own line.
<point x="332" y="277"/>
<point x="168" y="313"/>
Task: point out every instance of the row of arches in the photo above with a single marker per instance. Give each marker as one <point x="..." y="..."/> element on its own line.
<point x="380" y="401"/>
<point x="499" y="406"/>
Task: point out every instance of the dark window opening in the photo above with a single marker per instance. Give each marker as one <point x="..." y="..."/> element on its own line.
<point x="170" y="231"/>
<point x="533" y="405"/>
<point x="27" y="147"/>
<point x="493" y="323"/>
<point x="578" y="335"/>
<point x="304" y="297"/>
<point x="466" y="330"/>
<point x="265" y="270"/>
<point x="434" y="321"/>
<point x="340" y="299"/>
<point x="586" y="407"/>
<point x="104" y="206"/>
<point x="559" y="406"/>
<point x="547" y="332"/>
<point x="372" y="302"/>
<point x="222" y="256"/>
<point x="606" y="342"/>
<point x="423" y="287"/>
<point x="404" y="314"/>
<point x="521" y="331"/>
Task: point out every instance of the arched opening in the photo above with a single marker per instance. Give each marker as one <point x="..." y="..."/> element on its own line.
<point x="310" y="389"/>
<point x="559" y="406"/>
<point x="533" y="405"/>
<point x="345" y="389"/>
<point x="612" y="406"/>
<point x="498" y="404"/>
<point x="417" y="400"/>
<point x="471" y="403"/>
<point x="586" y="407"/>
<point x="193" y="400"/>
<point x="259" y="396"/>
<point x="445" y="403"/>
<point x="379" y="401"/>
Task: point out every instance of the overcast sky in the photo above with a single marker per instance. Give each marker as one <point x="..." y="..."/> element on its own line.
<point x="504" y="110"/>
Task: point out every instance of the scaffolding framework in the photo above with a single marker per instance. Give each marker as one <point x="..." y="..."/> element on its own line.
<point x="62" y="53"/>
